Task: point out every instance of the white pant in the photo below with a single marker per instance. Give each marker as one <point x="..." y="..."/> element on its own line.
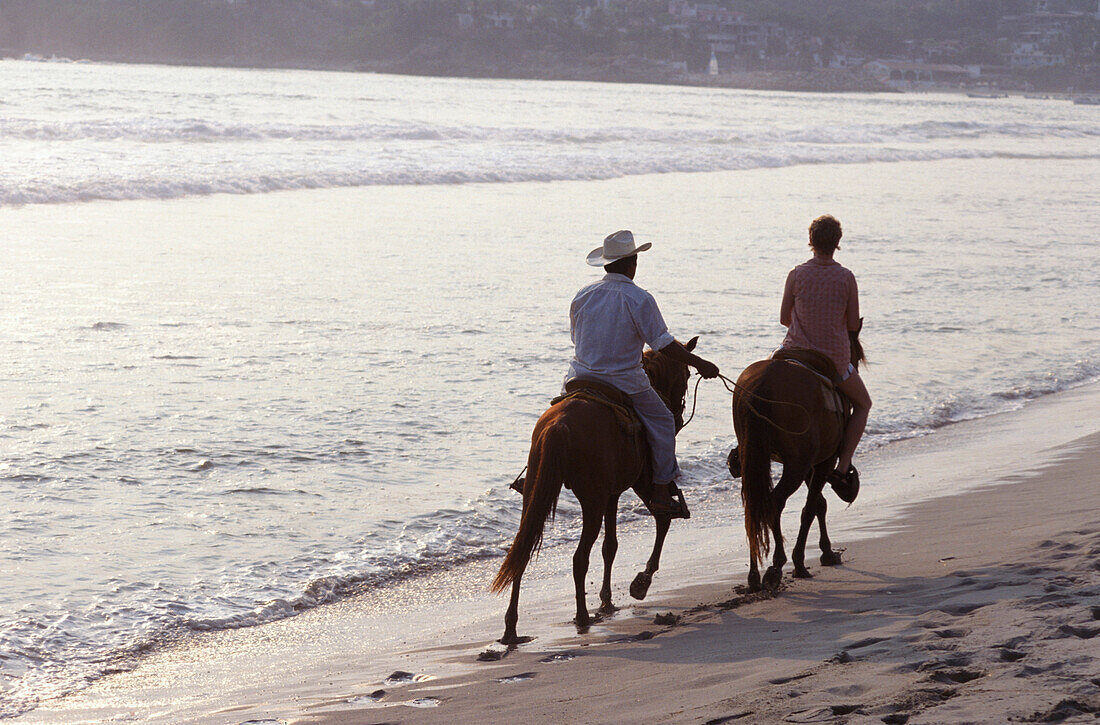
<point x="660" y="428"/>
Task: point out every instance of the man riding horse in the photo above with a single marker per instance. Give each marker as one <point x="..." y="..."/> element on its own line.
<point x="610" y="320"/>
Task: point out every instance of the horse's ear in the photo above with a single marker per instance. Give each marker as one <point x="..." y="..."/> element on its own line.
<point x="691" y="343"/>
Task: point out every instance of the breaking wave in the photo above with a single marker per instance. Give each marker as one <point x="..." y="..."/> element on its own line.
<point x="541" y="167"/>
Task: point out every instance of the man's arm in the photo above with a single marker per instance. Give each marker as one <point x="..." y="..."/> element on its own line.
<point x="679" y="353"/>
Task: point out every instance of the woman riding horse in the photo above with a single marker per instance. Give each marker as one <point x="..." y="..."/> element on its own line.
<point x="821" y="312"/>
<point x="779" y="410"/>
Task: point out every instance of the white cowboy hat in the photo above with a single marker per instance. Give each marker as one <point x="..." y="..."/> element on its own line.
<point x="615" y="246"/>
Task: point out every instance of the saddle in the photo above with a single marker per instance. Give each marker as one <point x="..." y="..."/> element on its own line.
<point x="600" y="392"/>
<point x="822" y="367"/>
<point x="630" y="424"/>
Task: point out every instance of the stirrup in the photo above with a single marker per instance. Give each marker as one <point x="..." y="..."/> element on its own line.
<point x="679" y="508"/>
<point x="517" y="485"/>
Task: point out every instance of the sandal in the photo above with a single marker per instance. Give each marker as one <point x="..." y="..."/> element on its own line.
<point x="846" y="485"/>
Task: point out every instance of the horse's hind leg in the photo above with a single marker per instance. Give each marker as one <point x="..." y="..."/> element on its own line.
<point x="754" y="576"/>
<point x="511" y="617"/>
<point x="798" y="554"/>
<point x="610" y="546"/>
<point x="787" y="485"/>
<point x="590" y="529"/>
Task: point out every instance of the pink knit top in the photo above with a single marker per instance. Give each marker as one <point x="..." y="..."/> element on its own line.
<point x="819" y="318"/>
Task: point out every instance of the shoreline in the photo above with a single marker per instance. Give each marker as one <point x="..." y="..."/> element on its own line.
<point x="817" y="80"/>
<point x="312" y="666"/>
<point x="979" y="607"/>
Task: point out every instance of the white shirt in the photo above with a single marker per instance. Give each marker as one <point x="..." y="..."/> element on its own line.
<point x="609" y="322"/>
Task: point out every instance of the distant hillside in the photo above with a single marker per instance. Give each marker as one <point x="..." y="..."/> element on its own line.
<point x="789" y="43"/>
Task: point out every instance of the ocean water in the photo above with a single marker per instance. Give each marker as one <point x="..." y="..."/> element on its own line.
<point x="274" y="337"/>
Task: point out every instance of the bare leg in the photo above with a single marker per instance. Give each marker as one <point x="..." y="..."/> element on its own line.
<point x="589" y="531"/>
<point x="856" y="391"/>
<point x="640" y="586"/>
<point x="610" y="546"/>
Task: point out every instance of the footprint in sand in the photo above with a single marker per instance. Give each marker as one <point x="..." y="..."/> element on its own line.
<point x="1064" y="710"/>
<point x="822" y="714"/>
<point x="949" y="633"/>
<point x="728" y="718"/>
<point x="1079" y="632"/>
<point x="558" y="657"/>
<point x="512" y="679"/>
<point x="400" y="677"/>
<point x="956" y="676"/>
<point x="374" y="697"/>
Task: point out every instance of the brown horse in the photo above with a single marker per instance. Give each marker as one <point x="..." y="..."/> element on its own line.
<point x="779" y="411"/>
<point x="580" y="444"/>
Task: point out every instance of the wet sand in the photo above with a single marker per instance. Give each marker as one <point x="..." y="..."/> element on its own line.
<point x="982" y="606"/>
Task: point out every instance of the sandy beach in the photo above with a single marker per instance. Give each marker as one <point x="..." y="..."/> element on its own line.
<point x="982" y="607"/>
<point x="977" y="607"/>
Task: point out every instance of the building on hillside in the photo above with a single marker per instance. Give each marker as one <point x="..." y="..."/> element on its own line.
<point x="1030" y="53"/>
<point x="906" y="74"/>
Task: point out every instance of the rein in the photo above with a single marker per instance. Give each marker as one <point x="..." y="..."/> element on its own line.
<point x="694" y="402"/>
<point x="745" y="391"/>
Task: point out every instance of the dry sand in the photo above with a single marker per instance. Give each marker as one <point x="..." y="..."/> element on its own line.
<point x="984" y="607"/>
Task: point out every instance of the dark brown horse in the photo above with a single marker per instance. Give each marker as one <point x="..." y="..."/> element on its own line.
<point x="580" y="444"/>
<point x="780" y="412"/>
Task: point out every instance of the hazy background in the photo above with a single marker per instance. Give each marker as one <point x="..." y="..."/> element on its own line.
<point x="1027" y="44"/>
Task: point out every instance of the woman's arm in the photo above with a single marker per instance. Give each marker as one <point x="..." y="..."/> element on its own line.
<point x="787" y="307"/>
<point x="851" y="315"/>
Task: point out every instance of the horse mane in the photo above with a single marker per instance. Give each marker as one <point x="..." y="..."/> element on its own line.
<point x="663" y="372"/>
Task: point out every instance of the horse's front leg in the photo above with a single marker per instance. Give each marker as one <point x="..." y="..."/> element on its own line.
<point x="590" y="529"/>
<point x="798" y="553"/>
<point x="610" y="546"/>
<point x="787" y="485"/>
<point x="640" y="586"/>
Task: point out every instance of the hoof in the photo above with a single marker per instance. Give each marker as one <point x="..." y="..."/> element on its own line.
<point x="772" y="578"/>
<point x="640" y="586"/>
<point x="512" y="639"/>
<point x="607" y="608"/>
<point x="831" y="558"/>
<point x="582" y="621"/>
<point x="801" y="572"/>
<point x="733" y="462"/>
<point x="754" y="582"/>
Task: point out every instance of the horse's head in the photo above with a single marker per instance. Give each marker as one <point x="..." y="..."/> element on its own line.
<point x="857" y="347"/>
<point x="670" y="379"/>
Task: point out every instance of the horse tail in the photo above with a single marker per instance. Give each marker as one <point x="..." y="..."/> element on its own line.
<point x="756" y="481"/>
<point x="546" y="474"/>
